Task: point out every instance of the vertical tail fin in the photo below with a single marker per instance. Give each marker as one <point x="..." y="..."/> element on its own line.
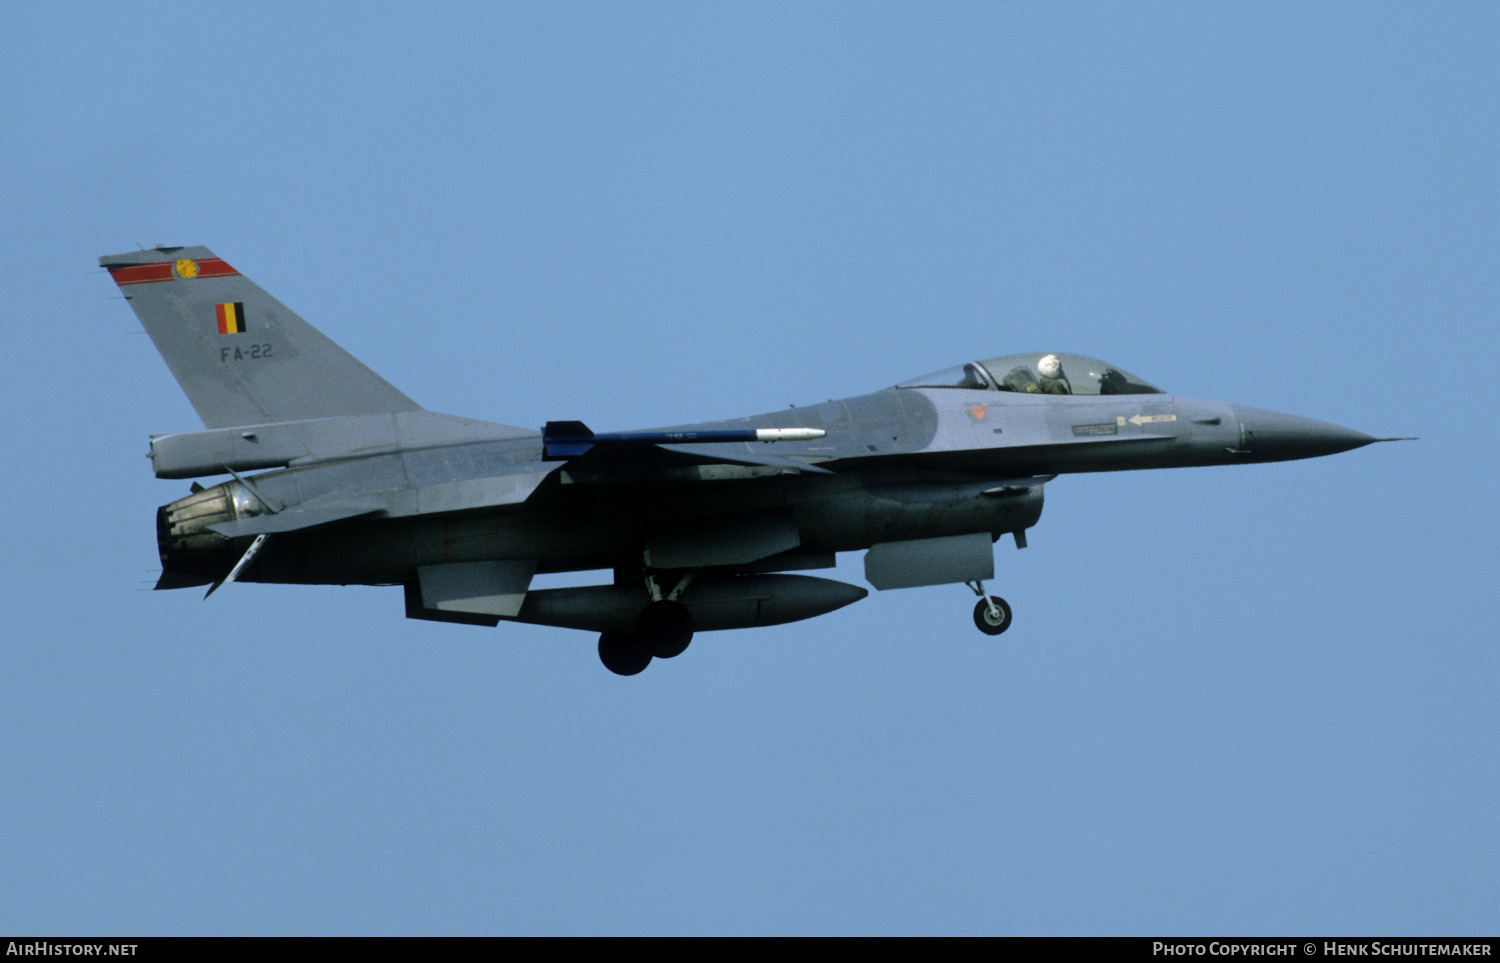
<point x="240" y="355"/>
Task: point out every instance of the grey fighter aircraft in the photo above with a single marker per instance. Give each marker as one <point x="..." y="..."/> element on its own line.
<point x="702" y="525"/>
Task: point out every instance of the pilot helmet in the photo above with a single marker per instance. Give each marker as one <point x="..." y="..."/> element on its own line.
<point x="1050" y="366"/>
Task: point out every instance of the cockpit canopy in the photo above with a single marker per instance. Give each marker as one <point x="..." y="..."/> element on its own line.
<point x="1044" y="372"/>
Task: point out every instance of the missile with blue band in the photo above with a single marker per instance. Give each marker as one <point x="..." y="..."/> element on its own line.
<point x="569" y="439"/>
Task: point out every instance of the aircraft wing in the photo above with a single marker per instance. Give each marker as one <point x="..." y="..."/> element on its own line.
<point x="674" y="464"/>
<point x="638" y="455"/>
<point x="702" y="454"/>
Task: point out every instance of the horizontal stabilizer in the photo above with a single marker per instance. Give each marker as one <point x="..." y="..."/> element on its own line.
<point x="193" y="454"/>
<point x="293" y="519"/>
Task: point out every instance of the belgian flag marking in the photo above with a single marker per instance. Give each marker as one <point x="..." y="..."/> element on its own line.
<point x="231" y="317"/>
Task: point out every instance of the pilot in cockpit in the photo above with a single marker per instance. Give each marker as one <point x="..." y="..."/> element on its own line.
<point x="1052" y="380"/>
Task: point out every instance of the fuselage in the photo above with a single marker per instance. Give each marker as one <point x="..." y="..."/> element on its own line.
<point x="899" y="464"/>
<point x="701" y="524"/>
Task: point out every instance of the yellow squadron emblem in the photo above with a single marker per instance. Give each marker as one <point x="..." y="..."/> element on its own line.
<point x="186" y="268"/>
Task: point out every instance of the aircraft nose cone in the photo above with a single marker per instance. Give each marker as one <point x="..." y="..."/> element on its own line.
<point x="1277" y="436"/>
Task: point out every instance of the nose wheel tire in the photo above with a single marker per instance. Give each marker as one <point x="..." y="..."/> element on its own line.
<point x="623" y="654"/>
<point x="992" y="621"/>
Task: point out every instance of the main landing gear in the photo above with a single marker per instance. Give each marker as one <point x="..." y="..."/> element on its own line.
<point x="623" y="654"/>
<point x="663" y="630"/>
<point x="991" y="613"/>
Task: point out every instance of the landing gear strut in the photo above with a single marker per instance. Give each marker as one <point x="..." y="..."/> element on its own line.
<point x="991" y="613"/>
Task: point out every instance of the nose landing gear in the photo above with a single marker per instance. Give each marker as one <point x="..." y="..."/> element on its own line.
<point x="991" y="613"/>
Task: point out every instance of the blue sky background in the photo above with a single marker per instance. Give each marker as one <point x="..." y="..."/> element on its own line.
<point x="1241" y="700"/>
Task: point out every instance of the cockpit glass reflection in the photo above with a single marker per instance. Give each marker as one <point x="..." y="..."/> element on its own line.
<point x="1046" y="373"/>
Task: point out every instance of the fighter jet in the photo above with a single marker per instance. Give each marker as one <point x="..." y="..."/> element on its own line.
<point x="702" y="526"/>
